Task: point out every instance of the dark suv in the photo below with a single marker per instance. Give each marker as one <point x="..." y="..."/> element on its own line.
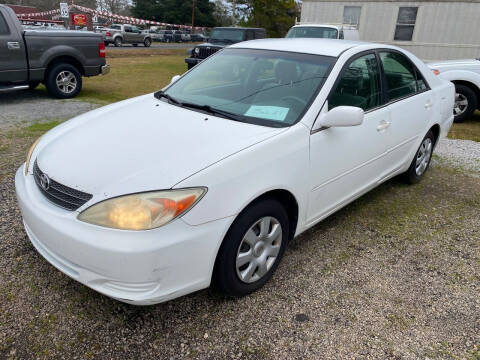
<point x="219" y="38"/>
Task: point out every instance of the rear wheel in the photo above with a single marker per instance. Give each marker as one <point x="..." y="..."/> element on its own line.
<point x="63" y="81"/>
<point x="147" y="42"/>
<point x="421" y="161"/>
<point x="118" y="42"/>
<point x="252" y="248"/>
<point x="465" y="103"/>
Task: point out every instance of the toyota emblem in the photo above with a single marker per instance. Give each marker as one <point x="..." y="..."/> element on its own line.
<point x="44" y="182"/>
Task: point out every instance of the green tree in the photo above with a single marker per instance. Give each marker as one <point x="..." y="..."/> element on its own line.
<point x="276" y="16"/>
<point x="175" y="11"/>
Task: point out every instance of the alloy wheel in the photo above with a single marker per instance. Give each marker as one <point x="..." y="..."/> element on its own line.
<point x="461" y="104"/>
<point x="259" y="249"/>
<point x="423" y="156"/>
<point x="66" y="82"/>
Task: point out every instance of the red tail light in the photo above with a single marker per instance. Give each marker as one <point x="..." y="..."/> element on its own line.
<point x="108" y="33"/>
<point x="101" y="49"/>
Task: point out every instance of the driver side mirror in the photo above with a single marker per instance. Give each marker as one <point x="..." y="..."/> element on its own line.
<point x="342" y="116"/>
<point x="174" y="78"/>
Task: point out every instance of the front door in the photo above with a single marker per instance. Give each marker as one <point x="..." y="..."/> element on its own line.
<point x="13" y="63"/>
<point x="346" y="161"/>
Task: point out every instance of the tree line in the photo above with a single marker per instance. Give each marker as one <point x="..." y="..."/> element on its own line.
<point x="276" y="16"/>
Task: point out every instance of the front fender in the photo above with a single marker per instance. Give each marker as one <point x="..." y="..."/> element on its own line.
<point x="461" y="75"/>
<point x="277" y="163"/>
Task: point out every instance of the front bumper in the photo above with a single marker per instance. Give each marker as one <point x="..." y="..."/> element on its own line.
<point x="137" y="267"/>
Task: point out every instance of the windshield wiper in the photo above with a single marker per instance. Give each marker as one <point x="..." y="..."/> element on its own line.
<point x="214" y="111"/>
<point x="161" y="94"/>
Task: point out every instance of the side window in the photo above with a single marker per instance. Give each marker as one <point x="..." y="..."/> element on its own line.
<point x="359" y="85"/>
<point x="402" y="78"/>
<point x="127" y="29"/>
<point x="3" y="26"/>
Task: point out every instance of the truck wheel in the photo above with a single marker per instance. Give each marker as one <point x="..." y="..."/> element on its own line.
<point x="63" y="81"/>
<point x="118" y="42"/>
<point x="147" y="42"/>
<point x="465" y="103"/>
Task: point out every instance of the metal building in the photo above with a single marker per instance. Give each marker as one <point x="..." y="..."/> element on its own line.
<point x="432" y="30"/>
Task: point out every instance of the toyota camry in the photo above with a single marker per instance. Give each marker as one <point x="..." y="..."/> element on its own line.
<point x="206" y="181"/>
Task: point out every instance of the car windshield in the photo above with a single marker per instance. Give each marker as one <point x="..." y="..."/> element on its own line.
<point x="264" y="87"/>
<point x="231" y="35"/>
<point x="313" y="32"/>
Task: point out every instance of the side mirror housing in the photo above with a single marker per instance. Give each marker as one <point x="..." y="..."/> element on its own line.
<point x="342" y="116"/>
<point x="174" y="78"/>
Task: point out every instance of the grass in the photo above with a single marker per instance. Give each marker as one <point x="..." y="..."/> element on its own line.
<point x="468" y="130"/>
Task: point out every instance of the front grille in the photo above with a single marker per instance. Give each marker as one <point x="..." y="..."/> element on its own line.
<point x="59" y="194"/>
<point x="206" y="52"/>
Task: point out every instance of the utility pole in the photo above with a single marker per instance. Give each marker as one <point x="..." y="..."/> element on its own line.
<point x="193" y="15"/>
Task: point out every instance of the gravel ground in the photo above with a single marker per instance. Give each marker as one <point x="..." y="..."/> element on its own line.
<point x="460" y="153"/>
<point x="394" y="275"/>
<point x="40" y="107"/>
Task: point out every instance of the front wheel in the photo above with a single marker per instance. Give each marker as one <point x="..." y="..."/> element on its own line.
<point x="252" y="249"/>
<point x="421" y="161"/>
<point x="63" y="81"/>
<point x="465" y="103"/>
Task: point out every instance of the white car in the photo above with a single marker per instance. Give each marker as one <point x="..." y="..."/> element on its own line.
<point x="465" y="74"/>
<point x="157" y="196"/>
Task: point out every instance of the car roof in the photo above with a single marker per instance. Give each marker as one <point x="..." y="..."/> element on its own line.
<point x="318" y="25"/>
<point x="326" y="47"/>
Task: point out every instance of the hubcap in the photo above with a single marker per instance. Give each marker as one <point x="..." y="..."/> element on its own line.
<point x="461" y="104"/>
<point x="259" y="249"/>
<point x="423" y="156"/>
<point x="66" y="82"/>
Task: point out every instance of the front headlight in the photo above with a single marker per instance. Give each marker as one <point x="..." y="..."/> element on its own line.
<point x="142" y="211"/>
<point x="197" y="50"/>
<point x="29" y="155"/>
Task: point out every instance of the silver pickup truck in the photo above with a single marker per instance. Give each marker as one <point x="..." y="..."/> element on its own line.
<point x="58" y="59"/>
<point x="118" y="35"/>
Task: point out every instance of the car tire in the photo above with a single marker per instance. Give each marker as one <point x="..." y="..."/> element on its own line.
<point x="421" y="161"/>
<point x="32" y="85"/>
<point x="147" y="42"/>
<point x="465" y="103"/>
<point x="67" y="88"/>
<point x="244" y="241"/>
<point x="117" y="42"/>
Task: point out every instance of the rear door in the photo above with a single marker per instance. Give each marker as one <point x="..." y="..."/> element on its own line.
<point x="13" y="62"/>
<point x="410" y="101"/>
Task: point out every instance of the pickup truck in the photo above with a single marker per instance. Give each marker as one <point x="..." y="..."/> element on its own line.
<point x="118" y="34"/>
<point x="465" y="75"/>
<point x="56" y="58"/>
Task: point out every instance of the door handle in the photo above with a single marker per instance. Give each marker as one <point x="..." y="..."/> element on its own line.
<point x="13" y="45"/>
<point x="428" y="105"/>
<point x="383" y="125"/>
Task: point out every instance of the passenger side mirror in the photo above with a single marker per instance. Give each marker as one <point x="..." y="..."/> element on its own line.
<point x="342" y="116"/>
<point x="174" y="78"/>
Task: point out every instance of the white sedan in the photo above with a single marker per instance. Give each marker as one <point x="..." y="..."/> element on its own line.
<point x="206" y="181"/>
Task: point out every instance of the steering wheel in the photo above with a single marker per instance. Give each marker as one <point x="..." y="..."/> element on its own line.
<point x="302" y="102"/>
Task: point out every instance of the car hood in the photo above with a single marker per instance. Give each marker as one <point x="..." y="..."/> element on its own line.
<point x="455" y="64"/>
<point x="139" y="145"/>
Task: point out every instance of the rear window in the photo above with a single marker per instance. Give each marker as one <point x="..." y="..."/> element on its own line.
<point x="116" y="27"/>
<point x="3" y="25"/>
